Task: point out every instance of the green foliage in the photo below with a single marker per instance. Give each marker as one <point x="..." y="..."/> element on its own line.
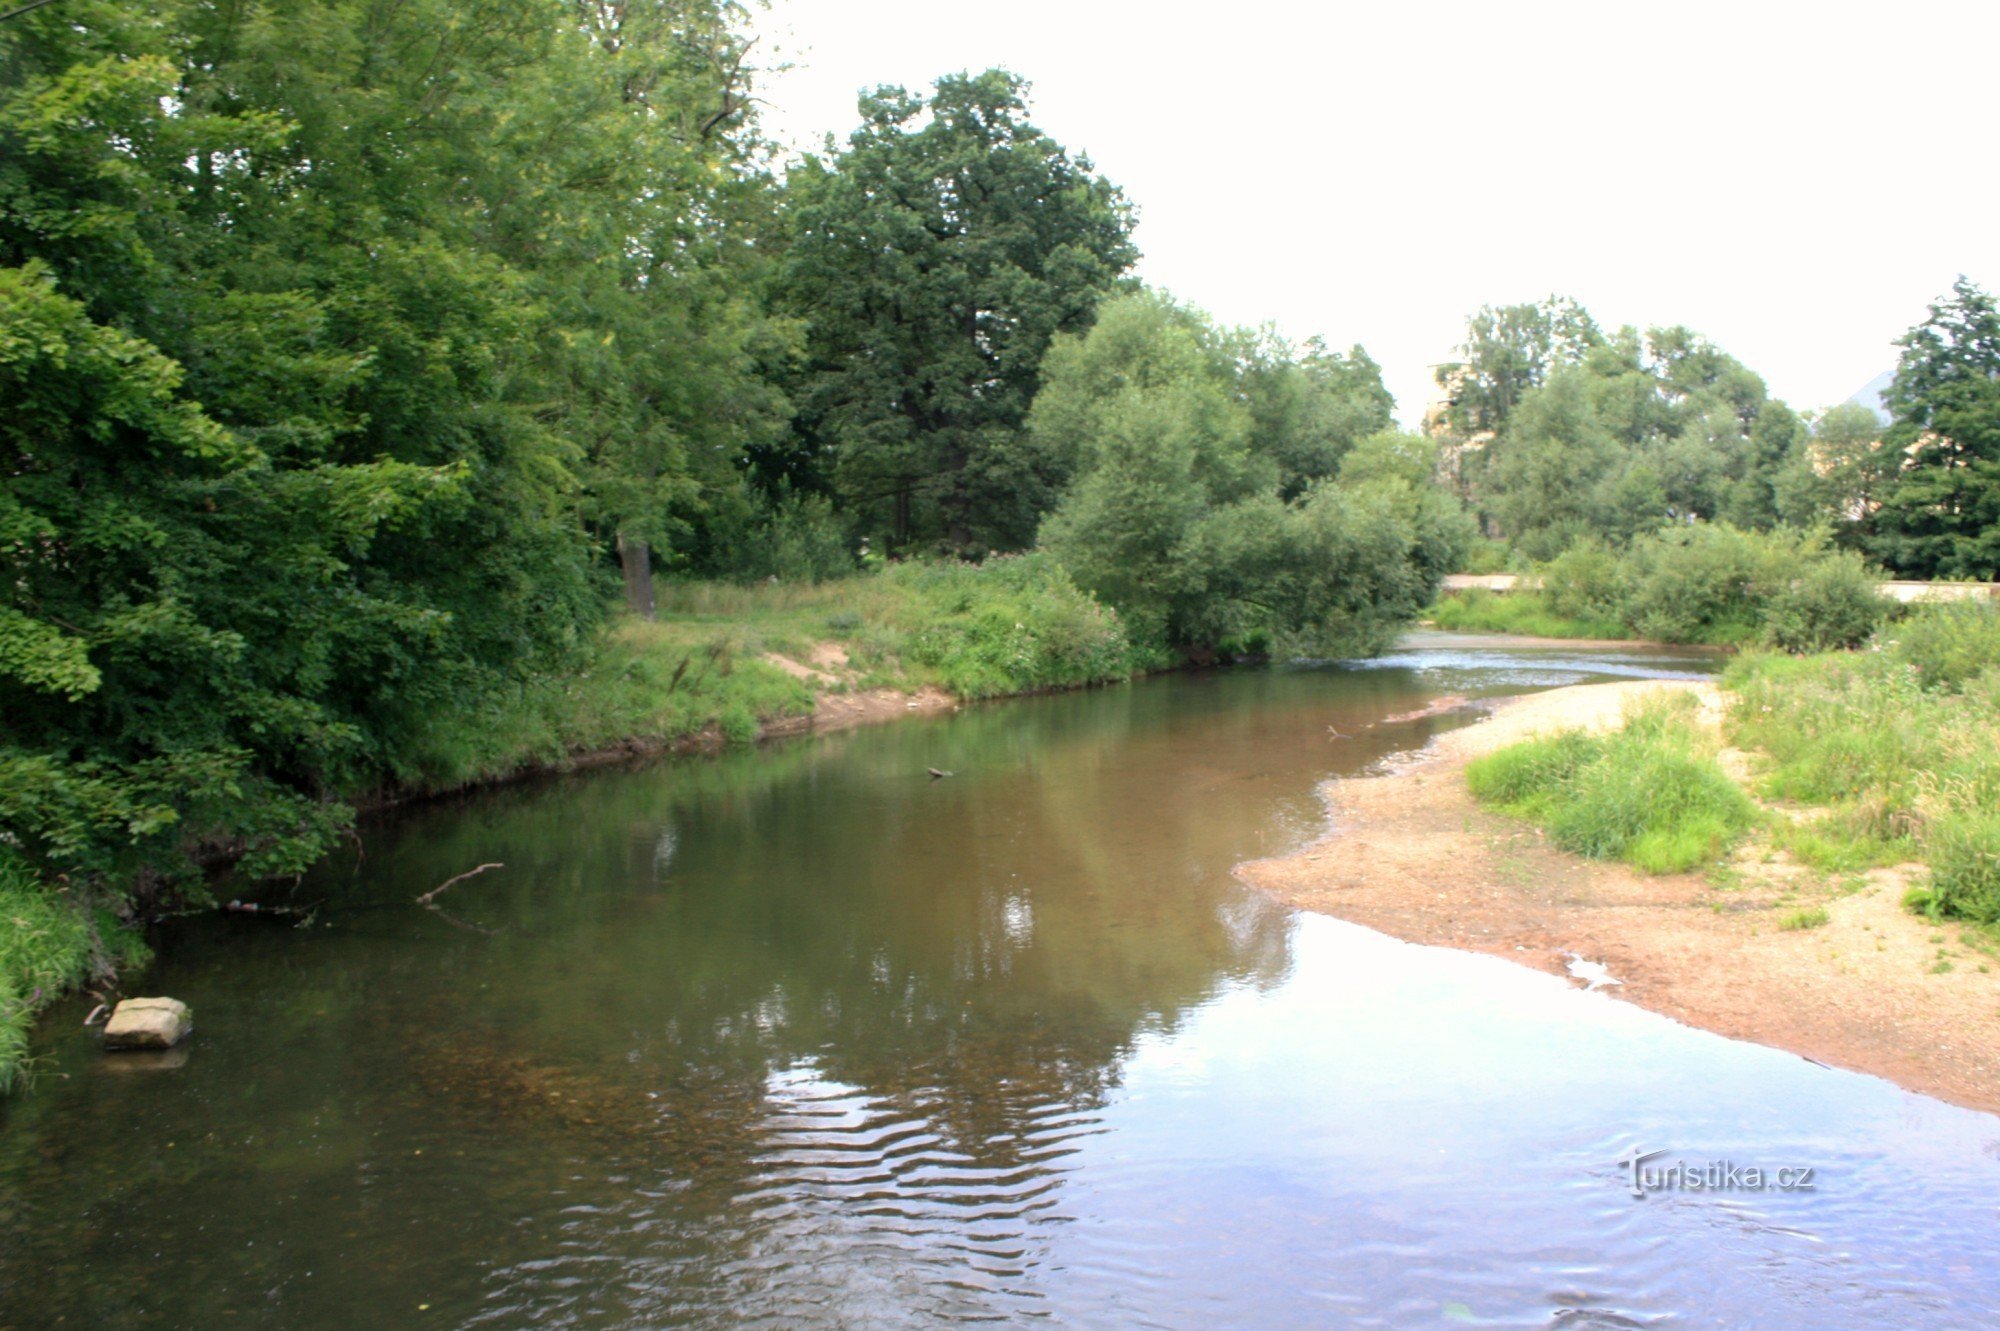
<point x="931" y="261"/>
<point x="1939" y="515"/>
<point x="1523" y="612"/>
<point x="1010" y="625"/>
<point x="797" y="538"/>
<point x="1650" y="793"/>
<point x="1589" y="434"/>
<point x="1809" y="917"/>
<point x="49" y="942"/>
<point x="1951" y="644"/>
<point x="1832" y="601"/>
<point x="1701" y="583"/>
<point x="321" y="327"/>
<point x="1900" y="743"/>
<point x="1508" y="351"/>
<point x="1179" y="516"/>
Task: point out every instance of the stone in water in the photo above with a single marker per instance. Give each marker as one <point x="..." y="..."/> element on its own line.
<point x="148" y="1023"/>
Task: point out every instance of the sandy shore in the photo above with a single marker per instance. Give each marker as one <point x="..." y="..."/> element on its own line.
<point x="1413" y="855"/>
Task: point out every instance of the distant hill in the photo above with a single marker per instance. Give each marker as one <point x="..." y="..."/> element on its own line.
<point x="1869" y="395"/>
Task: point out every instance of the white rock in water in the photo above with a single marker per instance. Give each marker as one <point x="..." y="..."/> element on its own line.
<point x="148" y="1023"/>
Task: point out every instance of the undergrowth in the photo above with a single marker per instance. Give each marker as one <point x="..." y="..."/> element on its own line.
<point x="1524" y="612"/>
<point x="49" y="943"/>
<point x="1650" y="794"/>
<point x="1900" y="743"/>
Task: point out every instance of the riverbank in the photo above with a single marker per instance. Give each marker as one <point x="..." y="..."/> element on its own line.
<point x="721" y="665"/>
<point x="1412" y="854"/>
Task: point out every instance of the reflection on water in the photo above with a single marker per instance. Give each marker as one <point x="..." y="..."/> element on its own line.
<point x="804" y="1038"/>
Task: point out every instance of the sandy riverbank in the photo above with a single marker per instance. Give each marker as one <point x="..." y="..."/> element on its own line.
<point x="1413" y="855"/>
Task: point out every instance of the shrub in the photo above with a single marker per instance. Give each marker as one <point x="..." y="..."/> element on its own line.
<point x="1831" y="602"/>
<point x="1650" y="794"/>
<point x="1586" y="581"/>
<point x="1950" y="644"/>
<point x="1965" y="866"/>
<point x="1011" y="624"/>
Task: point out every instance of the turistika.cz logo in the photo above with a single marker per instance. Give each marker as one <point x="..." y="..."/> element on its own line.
<point x="1642" y="1178"/>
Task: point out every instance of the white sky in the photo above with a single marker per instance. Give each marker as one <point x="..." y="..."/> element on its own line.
<point x="1795" y="181"/>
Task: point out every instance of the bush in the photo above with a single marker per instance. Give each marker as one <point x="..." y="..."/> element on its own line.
<point x="1950" y="644"/>
<point x="1964" y="854"/>
<point x="1719" y="585"/>
<point x="1011" y="624"/>
<point x="1832" y="602"/>
<point x="1650" y="794"/>
<point x="1586" y="581"/>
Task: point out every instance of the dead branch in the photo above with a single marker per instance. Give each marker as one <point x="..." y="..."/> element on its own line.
<point x="425" y="899"/>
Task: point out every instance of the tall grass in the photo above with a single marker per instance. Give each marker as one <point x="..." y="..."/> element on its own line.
<point x="1900" y="743"/>
<point x="1650" y="794"/>
<point x="1525" y="612"/>
<point x="1010" y="625"/>
<point x="49" y="944"/>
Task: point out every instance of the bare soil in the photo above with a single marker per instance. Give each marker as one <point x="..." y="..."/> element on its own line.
<point x="838" y="705"/>
<point x="1412" y="854"/>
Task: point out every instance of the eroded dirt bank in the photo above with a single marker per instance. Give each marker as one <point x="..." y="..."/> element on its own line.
<point x="1413" y="855"/>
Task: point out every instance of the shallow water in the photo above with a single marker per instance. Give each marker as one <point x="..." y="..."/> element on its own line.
<point x="801" y="1037"/>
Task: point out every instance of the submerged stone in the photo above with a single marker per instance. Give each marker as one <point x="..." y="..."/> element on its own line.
<point x="148" y="1023"/>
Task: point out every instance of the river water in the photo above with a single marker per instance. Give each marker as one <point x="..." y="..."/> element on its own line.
<point x="802" y="1037"/>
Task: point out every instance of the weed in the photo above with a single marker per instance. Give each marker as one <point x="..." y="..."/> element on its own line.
<point x="1651" y="794"/>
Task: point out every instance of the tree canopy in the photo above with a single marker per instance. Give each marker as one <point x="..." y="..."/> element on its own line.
<point x="1939" y="512"/>
<point x="1188" y="512"/>
<point x="931" y="260"/>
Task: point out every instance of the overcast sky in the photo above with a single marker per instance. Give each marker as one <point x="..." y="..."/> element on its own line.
<point x="1797" y="182"/>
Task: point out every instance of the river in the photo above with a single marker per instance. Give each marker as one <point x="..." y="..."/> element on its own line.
<point x="804" y="1037"/>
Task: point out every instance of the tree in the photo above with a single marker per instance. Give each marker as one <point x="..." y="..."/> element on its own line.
<point x="1509" y="350"/>
<point x="330" y="335"/>
<point x="931" y="261"/>
<point x="1178" y="515"/>
<point x="1940" y="513"/>
<point x="1834" y="479"/>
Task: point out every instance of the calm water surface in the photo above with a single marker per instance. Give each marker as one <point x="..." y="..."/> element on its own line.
<point x="801" y="1038"/>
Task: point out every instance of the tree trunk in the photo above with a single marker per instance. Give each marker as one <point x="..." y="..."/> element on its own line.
<point x="637" y="561"/>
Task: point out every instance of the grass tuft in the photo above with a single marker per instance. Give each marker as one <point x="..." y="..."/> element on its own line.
<point x="1650" y="794"/>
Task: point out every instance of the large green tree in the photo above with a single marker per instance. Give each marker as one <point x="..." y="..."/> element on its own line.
<point x="331" y="332"/>
<point x="1179" y="514"/>
<point x="1508" y="351"/>
<point x="931" y="261"/>
<point x="1939" y="515"/>
<point x="1638" y="431"/>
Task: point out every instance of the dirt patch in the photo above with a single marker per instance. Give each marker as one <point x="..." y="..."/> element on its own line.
<point x="837" y="704"/>
<point x="842" y="711"/>
<point x="799" y="670"/>
<point x="1412" y="854"/>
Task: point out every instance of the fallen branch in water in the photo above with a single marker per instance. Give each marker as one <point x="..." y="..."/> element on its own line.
<point x="425" y="899"/>
<point x="457" y="923"/>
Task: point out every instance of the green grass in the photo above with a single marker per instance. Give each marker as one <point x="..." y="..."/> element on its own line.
<point x="1899" y="743"/>
<point x="1523" y="612"/>
<point x="1811" y="917"/>
<point x="1650" y="794"/>
<point x="1012" y="625"/>
<point x="49" y="944"/>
